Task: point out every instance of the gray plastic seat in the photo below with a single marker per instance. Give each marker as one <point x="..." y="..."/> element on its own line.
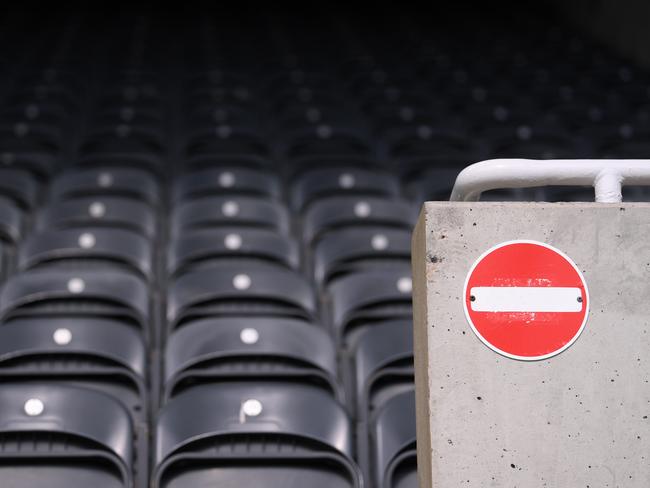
<point x="100" y="354"/>
<point x="213" y="212"/>
<point x="226" y="181"/>
<point x="51" y="437"/>
<point x="247" y="246"/>
<point x="124" y="138"/>
<point x="207" y="161"/>
<point x="392" y="439"/>
<point x="238" y="434"/>
<point x="213" y="351"/>
<point x="224" y="139"/>
<point x="380" y="365"/>
<point x="116" y="159"/>
<point x="364" y="298"/>
<point x="111" y="212"/>
<point x="325" y="140"/>
<point x="328" y="182"/>
<point x="40" y="164"/>
<point x="19" y="186"/>
<point x="134" y="184"/>
<point x="96" y="294"/>
<point x="10" y="221"/>
<point x="87" y="248"/>
<point x="230" y="290"/>
<point x="340" y="212"/>
<point x="350" y="250"/>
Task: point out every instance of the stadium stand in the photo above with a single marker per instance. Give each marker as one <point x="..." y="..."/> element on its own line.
<point x="205" y="228"/>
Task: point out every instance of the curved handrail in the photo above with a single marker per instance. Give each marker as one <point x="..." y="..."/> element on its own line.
<point x="607" y="176"/>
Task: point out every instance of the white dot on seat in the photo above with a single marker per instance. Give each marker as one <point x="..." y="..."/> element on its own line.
<point x="87" y="240"/>
<point x="406" y="113"/>
<point x="346" y="180"/>
<point x="524" y="132"/>
<point x="424" y="132"/>
<point x="230" y="208"/>
<point x="232" y="242"/>
<point x="226" y="179"/>
<point x="500" y="113"/>
<point x="379" y="242"/>
<point x="105" y="180"/>
<point x="313" y="115"/>
<point x="62" y="336"/>
<point x="32" y="111"/>
<point x="405" y="284"/>
<point x="123" y="130"/>
<point x="76" y="285"/>
<point x="224" y="131"/>
<point x="252" y="407"/>
<point x="362" y="209"/>
<point x="33" y="407"/>
<point x="242" y="282"/>
<point x="324" y="131"/>
<point x="97" y="210"/>
<point x="249" y="336"/>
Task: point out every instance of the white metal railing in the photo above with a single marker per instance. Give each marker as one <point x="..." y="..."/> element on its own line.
<point x="607" y="176"/>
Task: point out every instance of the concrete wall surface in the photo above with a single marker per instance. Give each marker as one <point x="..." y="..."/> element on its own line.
<point x="578" y="419"/>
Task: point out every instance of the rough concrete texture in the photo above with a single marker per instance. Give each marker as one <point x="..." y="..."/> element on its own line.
<point x="579" y="419"/>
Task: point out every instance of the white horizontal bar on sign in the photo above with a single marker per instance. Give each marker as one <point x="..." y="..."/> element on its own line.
<point x="525" y="299"/>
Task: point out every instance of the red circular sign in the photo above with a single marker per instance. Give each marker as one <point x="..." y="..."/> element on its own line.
<point x="526" y="300"/>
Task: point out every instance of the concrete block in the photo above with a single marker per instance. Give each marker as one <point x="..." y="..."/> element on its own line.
<point x="578" y="419"/>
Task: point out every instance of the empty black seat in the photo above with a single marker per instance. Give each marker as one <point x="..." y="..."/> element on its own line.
<point x="208" y="161"/>
<point x="200" y="248"/>
<point x="226" y="140"/>
<point x="124" y="138"/>
<point x="239" y="434"/>
<point x="87" y="248"/>
<point x="392" y="443"/>
<point x="213" y="212"/>
<point x="368" y="297"/>
<point x="106" y="182"/>
<point x="96" y="294"/>
<point x="100" y="354"/>
<point x="324" y="140"/>
<point x="124" y="160"/>
<point x="10" y="221"/>
<point x="339" y="212"/>
<point x="381" y="365"/>
<point x="321" y="183"/>
<point x="19" y="186"/>
<point x="40" y="164"/>
<point x="226" y="181"/>
<point x="254" y="349"/>
<point x="353" y="249"/>
<point x="109" y="212"/>
<point x="230" y="290"/>
<point x="65" y="436"/>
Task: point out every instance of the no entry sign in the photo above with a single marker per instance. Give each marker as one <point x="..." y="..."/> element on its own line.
<point x="526" y="300"/>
